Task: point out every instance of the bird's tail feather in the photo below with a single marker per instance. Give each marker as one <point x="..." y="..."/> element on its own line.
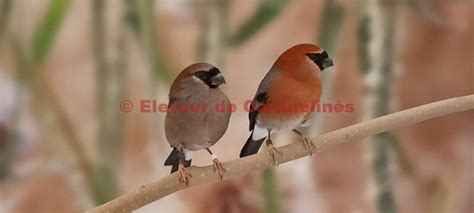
<point x="173" y="160"/>
<point x="251" y="147"/>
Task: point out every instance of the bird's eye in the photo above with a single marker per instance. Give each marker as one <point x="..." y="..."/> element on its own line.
<point x="201" y="74"/>
<point x="317" y="56"/>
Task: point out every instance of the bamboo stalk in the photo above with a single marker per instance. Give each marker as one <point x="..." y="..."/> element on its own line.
<point x="378" y="81"/>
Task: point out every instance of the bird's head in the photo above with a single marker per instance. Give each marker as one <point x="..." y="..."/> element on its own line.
<point x="306" y="54"/>
<point x="199" y="74"/>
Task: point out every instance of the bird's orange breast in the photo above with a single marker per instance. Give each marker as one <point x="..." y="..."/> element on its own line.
<point x="290" y="98"/>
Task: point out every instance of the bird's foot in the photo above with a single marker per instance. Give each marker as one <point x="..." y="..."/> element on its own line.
<point x="272" y="150"/>
<point x="217" y="165"/>
<point x="184" y="175"/>
<point x="309" y="145"/>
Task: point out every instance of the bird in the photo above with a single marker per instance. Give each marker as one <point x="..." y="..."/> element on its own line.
<point x="196" y="87"/>
<point x="286" y="97"/>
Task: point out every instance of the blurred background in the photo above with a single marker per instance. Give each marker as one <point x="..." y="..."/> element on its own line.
<point x="66" y="66"/>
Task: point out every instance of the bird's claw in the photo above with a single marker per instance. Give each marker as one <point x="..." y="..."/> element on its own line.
<point x="309" y="145"/>
<point x="272" y="150"/>
<point x="184" y="175"/>
<point x="217" y="165"/>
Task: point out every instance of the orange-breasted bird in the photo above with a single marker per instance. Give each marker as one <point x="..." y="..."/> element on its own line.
<point x="286" y="96"/>
<point x="199" y="127"/>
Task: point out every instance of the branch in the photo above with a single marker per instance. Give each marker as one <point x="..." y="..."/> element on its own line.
<point x="169" y="184"/>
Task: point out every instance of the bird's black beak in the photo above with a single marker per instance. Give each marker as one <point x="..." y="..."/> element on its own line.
<point x="327" y="63"/>
<point x="217" y="80"/>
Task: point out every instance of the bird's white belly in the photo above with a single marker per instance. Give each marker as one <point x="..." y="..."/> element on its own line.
<point x="282" y="125"/>
<point x="195" y="147"/>
<point x="260" y="128"/>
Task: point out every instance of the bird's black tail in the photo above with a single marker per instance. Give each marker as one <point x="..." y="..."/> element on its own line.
<point x="251" y="147"/>
<point x="173" y="160"/>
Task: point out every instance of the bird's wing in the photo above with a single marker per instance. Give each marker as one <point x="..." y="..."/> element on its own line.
<point x="171" y="99"/>
<point x="261" y="98"/>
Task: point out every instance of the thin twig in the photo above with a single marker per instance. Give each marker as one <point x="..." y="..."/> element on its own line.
<point x="201" y="175"/>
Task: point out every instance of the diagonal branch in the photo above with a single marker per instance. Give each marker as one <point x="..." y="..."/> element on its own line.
<point x="201" y="175"/>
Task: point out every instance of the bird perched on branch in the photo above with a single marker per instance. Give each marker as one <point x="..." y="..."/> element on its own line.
<point x="286" y="96"/>
<point x="195" y="129"/>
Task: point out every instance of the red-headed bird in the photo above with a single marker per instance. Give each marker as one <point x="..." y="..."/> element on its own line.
<point x="286" y="96"/>
<point x="196" y="87"/>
